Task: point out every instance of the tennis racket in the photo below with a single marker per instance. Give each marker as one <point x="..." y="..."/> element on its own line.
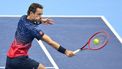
<point x="103" y="37"/>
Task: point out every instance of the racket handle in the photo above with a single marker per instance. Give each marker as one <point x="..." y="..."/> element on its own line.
<point x="76" y="51"/>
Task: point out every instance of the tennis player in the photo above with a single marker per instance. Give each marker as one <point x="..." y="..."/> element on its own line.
<point x="17" y="56"/>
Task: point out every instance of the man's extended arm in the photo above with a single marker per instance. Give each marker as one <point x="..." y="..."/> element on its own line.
<point x="57" y="46"/>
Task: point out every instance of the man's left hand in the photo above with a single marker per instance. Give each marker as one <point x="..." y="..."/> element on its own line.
<point x="47" y="21"/>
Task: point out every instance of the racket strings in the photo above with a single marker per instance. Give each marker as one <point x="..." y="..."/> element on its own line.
<point x="102" y="41"/>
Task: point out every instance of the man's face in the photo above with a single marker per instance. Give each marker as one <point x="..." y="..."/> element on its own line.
<point x="37" y="15"/>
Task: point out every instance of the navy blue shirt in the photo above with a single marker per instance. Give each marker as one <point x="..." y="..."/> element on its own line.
<point x="27" y="30"/>
<point x="24" y="35"/>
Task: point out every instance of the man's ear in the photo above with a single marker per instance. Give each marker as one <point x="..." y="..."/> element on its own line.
<point x="31" y="13"/>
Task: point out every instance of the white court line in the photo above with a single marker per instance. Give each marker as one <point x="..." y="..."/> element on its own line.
<point x="46" y="67"/>
<point x="48" y="54"/>
<point x="112" y="29"/>
<point x="55" y="16"/>
<point x="2" y="67"/>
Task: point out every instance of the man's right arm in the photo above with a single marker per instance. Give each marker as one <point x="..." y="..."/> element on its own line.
<point x="51" y="42"/>
<point x="57" y="46"/>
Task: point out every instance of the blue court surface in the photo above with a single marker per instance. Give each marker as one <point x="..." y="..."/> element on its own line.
<point x="71" y="32"/>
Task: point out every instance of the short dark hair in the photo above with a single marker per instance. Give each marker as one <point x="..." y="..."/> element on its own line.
<point x="33" y="7"/>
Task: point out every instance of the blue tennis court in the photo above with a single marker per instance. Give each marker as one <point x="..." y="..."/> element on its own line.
<point x="71" y="32"/>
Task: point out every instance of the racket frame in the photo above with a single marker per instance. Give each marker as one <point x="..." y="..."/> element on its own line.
<point x="89" y="40"/>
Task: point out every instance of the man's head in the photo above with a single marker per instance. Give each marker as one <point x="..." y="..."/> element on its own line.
<point x="35" y="11"/>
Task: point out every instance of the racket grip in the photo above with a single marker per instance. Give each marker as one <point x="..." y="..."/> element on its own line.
<point x="76" y="51"/>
